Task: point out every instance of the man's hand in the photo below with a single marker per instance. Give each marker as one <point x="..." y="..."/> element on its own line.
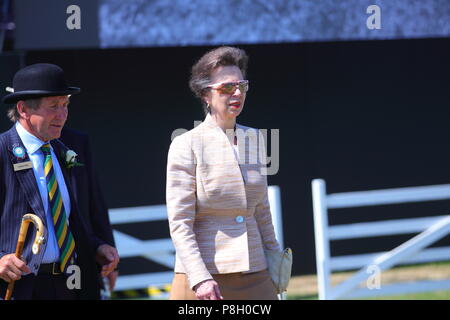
<point x="11" y="268"/>
<point x="108" y="258"/>
<point x="208" y="290"/>
<point x="112" y="278"/>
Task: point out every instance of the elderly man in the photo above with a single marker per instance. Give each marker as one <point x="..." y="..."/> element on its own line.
<point x="36" y="176"/>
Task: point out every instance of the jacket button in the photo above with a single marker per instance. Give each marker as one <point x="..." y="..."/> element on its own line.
<point x="239" y="219"/>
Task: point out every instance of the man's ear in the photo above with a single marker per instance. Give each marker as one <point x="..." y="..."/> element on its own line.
<point x="23" y="110"/>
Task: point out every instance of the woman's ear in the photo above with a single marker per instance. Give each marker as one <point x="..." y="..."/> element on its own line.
<point x="206" y="98"/>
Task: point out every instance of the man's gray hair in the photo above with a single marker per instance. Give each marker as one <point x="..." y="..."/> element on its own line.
<point x="14" y="115"/>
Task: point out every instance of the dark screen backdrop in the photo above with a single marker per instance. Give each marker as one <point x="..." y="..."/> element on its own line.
<point x="361" y="115"/>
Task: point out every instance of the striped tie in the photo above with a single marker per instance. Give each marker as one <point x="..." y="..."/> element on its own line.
<point x="66" y="243"/>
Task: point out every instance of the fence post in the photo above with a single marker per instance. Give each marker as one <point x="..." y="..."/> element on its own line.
<point x="321" y="238"/>
<point x="275" y="208"/>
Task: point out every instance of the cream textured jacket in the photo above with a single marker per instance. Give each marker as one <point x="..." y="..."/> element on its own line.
<point x="218" y="209"/>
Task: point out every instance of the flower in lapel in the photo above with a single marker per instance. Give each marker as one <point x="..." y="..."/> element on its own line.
<point x="70" y="159"/>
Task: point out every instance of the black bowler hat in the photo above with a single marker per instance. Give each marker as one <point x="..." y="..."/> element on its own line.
<point x="39" y="80"/>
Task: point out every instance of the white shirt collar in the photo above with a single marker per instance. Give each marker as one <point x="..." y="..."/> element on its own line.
<point x="31" y="142"/>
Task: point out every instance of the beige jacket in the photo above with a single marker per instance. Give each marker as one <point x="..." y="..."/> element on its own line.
<point x="218" y="209"/>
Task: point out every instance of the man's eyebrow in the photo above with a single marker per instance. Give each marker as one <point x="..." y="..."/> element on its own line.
<point x="55" y="104"/>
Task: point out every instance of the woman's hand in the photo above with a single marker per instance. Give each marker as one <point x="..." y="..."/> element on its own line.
<point x="208" y="290"/>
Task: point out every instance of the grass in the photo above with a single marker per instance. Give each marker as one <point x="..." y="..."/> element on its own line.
<point x="434" y="295"/>
<point x="304" y="287"/>
<point x="302" y="297"/>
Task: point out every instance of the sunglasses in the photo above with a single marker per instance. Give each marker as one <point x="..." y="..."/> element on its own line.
<point x="230" y="87"/>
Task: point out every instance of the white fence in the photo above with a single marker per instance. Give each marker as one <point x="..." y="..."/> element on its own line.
<point x="430" y="230"/>
<point x="162" y="251"/>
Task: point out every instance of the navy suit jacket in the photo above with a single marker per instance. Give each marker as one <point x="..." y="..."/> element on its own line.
<point x="88" y="195"/>
<point x="19" y="195"/>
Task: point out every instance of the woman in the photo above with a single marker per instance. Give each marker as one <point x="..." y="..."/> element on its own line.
<point x="217" y="203"/>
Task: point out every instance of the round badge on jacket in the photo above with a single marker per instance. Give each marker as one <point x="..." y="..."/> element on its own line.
<point x="19" y="152"/>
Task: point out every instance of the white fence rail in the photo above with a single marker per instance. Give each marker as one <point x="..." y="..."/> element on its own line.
<point x="430" y="230"/>
<point x="161" y="251"/>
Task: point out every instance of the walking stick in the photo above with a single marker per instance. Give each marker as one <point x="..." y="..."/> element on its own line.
<point x="21" y="241"/>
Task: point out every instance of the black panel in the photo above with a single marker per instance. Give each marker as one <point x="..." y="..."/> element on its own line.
<point x="361" y="115"/>
<point x="9" y="64"/>
<point x="43" y="24"/>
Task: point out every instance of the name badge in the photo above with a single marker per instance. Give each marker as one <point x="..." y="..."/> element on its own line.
<point x="23" y="165"/>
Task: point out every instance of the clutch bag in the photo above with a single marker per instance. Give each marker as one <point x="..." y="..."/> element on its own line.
<point x="279" y="264"/>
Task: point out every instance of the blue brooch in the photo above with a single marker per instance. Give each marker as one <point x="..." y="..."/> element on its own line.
<point x="19" y="152"/>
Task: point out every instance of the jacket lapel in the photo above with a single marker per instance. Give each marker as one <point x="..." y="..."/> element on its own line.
<point x="217" y="150"/>
<point x="60" y="150"/>
<point x="84" y="246"/>
<point x="216" y="145"/>
<point x="26" y="177"/>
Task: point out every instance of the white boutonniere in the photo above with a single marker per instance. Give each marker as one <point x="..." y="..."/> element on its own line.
<point x="70" y="158"/>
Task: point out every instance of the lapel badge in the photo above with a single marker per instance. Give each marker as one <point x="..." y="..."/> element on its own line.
<point x="19" y="152"/>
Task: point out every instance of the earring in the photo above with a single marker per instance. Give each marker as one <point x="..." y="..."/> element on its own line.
<point x="208" y="107"/>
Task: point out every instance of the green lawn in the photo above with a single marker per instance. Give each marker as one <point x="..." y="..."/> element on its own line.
<point x="434" y="295"/>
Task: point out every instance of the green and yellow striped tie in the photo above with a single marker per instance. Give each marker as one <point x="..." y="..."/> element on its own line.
<point x="66" y="243"/>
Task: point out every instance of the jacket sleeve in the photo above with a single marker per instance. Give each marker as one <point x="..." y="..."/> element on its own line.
<point x="77" y="185"/>
<point x="263" y="214"/>
<point x="181" y="208"/>
<point x="2" y="196"/>
<point x="98" y="210"/>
